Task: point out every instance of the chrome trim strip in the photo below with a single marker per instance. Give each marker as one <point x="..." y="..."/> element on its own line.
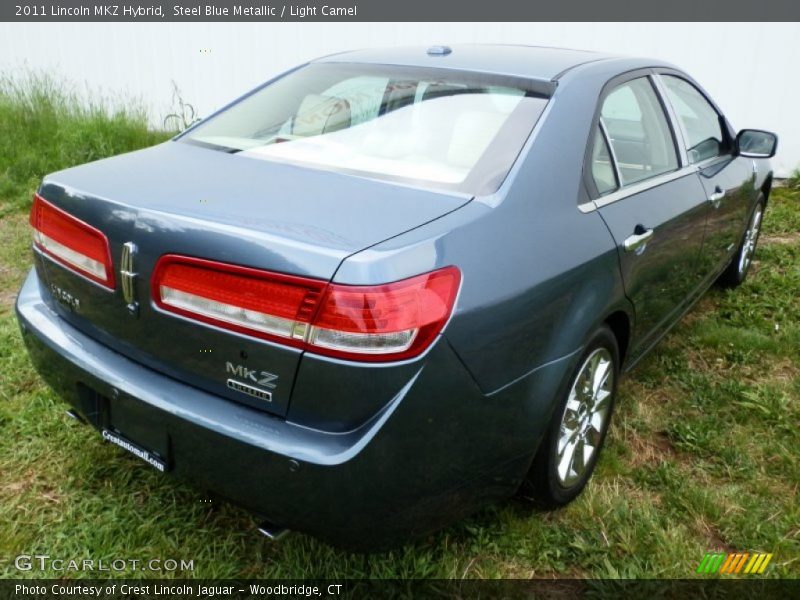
<point x="675" y="124"/>
<point x="610" y="146"/>
<point x="249" y="390"/>
<point x="636" y="188"/>
<point x="126" y="272"/>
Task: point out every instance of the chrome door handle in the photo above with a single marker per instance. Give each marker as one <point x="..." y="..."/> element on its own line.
<point x="716" y="198"/>
<point x="637" y="240"/>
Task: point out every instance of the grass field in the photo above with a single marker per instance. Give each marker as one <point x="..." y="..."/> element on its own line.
<point x="704" y="453"/>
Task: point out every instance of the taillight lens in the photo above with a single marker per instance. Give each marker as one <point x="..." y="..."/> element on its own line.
<point x="72" y="243"/>
<point x="396" y="320"/>
<point x="372" y="323"/>
<point x="250" y="301"/>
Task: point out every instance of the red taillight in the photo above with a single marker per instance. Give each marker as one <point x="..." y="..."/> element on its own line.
<point x="71" y="242"/>
<point x="250" y="301"/>
<point x="373" y="323"/>
<point x="396" y="320"/>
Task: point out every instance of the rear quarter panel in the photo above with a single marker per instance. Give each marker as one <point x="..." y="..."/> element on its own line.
<point x="538" y="274"/>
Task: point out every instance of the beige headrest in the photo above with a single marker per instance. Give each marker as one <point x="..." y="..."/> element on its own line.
<point x="472" y="133"/>
<point x="321" y="114"/>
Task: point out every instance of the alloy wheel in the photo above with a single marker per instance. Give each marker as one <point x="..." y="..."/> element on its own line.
<point x="585" y="417"/>
<point x="750" y="239"/>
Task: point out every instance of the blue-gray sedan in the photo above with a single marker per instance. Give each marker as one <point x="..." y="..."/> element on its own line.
<point x="390" y="286"/>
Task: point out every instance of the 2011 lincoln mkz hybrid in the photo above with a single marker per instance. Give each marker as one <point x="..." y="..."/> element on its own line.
<point x="391" y="286"/>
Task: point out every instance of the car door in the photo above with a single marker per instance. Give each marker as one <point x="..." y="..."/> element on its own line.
<point x="727" y="180"/>
<point x="651" y="201"/>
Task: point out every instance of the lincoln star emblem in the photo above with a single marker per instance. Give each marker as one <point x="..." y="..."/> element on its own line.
<point x="128" y="276"/>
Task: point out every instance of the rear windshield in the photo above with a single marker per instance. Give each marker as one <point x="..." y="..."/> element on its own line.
<point x="433" y="127"/>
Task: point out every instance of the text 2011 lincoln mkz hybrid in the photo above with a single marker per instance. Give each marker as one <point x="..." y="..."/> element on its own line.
<point x="391" y="286"/>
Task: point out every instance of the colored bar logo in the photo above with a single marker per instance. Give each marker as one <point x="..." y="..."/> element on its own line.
<point x="734" y="562"/>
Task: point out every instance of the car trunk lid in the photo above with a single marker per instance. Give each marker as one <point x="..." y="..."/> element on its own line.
<point x="184" y="200"/>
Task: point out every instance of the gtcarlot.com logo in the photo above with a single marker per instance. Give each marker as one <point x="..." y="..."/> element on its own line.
<point x="737" y="563"/>
<point x="45" y="562"/>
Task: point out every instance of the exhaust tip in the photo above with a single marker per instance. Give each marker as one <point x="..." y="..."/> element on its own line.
<point x="272" y="531"/>
<point x="75" y="415"/>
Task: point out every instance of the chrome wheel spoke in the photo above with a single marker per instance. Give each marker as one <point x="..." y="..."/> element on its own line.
<point x="578" y="465"/>
<point x="600" y="376"/>
<point x="567" y="437"/>
<point x="601" y="400"/>
<point x="597" y="421"/>
<point x="565" y="464"/>
<point x="585" y="416"/>
<point x="583" y="387"/>
<point x="757" y="221"/>
<point x="592" y="440"/>
<point x="749" y="242"/>
<point x="573" y="404"/>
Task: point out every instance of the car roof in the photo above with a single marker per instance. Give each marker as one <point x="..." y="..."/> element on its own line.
<point x="534" y="62"/>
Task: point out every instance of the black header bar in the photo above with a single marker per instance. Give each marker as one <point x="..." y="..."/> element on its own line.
<point x="401" y="11"/>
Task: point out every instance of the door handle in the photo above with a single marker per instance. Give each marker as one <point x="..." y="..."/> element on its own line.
<point x="716" y="198"/>
<point x="637" y="240"/>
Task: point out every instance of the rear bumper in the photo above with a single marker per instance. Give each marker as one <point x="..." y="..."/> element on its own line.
<point x="437" y="451"/>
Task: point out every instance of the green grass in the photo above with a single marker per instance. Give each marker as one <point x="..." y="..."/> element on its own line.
<point x="47" y="125"/>
<point x="793" y="181"/>
<point x="704" y="453"/>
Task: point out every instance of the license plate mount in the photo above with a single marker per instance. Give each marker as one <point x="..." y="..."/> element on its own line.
<point x="151" y="458"/>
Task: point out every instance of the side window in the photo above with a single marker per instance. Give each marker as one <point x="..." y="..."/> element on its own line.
<point x="639" y="131"/>
<point x="602" y="168"/>
<point x="701" y="123"/>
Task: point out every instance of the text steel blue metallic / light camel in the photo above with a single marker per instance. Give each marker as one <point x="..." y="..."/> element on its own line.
<point x="389" y="287"/>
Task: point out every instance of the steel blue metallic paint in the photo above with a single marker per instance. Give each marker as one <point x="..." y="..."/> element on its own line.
<point x="384" y="450"/>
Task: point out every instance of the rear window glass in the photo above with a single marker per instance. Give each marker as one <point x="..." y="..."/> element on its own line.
<point x="441" y="128"/>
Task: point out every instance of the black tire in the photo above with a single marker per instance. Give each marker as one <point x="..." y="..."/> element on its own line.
<point x="736" y="272"/>
<point x="544" y="483"/>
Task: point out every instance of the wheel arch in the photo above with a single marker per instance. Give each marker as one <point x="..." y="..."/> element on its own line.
<point x="766" y="188"/>
<point x="621" y="326"/>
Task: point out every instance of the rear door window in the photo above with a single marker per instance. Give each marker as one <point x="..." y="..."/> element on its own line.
<point x="638" y="131"/>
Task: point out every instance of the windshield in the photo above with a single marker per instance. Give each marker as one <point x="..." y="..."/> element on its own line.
<point x="447" y="129"/>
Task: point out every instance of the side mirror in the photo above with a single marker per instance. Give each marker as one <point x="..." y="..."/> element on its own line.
<point x="754" y="143"/>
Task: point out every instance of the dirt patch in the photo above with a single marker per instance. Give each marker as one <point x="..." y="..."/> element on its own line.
<point x="16" y="257"/>
<point x="651" y="449"/>
<point x="780" y="240"/>
<point x="635" y="495"/>
<point x="32" y="485"/>
<point x="647" y="406"/>
<point x="772" y="371"/>
<point x="785" y="370"/>
<point x="715" y="540"/>
<point x="700" y="361"/>
<point x="7" y="298"/>
<point x="707" y="304"/>
<point x="50" y="495"/>
<point x="20" y="486"/>
<point x="566" y="590"/>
